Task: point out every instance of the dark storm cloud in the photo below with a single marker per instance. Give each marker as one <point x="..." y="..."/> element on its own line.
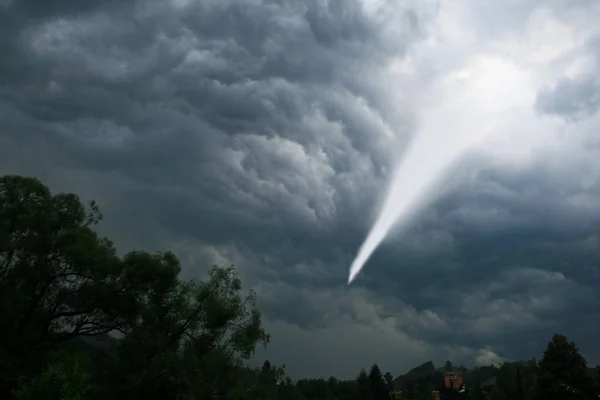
<point x="164" y="91"/>
<point x="498" y="245"/>
<point x="256" y="132"/>
<point x="489" y="269"/>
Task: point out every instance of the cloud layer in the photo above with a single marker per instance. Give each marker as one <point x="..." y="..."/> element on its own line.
<point x="264" y="133"/>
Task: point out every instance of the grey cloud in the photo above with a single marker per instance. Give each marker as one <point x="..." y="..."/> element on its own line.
<point x="179" y="120"/>
<point x="578" y="96"/>
<point x="571" y="97"/>
<point x="496" y="277"/>
<point x="491" y="21"/>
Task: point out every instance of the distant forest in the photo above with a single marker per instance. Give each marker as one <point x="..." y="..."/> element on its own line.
<point x="80" y="322"/>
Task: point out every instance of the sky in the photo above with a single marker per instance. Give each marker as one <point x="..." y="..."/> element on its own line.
<point x="264" y="134"/>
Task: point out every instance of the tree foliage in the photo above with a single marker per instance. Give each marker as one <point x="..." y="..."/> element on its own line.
<point x="515" y="380"/>
<point x="60" y="283"/>
<point x="562" y="372"/>
<point x="65" y="377"/>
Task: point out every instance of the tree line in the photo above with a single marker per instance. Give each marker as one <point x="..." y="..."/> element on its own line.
<point x="81" y="322"/>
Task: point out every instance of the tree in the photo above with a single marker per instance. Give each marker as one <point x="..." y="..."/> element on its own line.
<point x="506" y="380"/>
<point x="60" y="282"/>
<point x="377" y="385"/>
<point x="519" y="391"/>
<point x="448" y="366"/>
<point x="192" y="339"/>
<point x="477" y="393"/>
<point x="515" y="380"/>
<point x="364" y="386"/>
<point x="562" y="372"/>
<point x="58" y="279"/>
<point x="289" y="391"/>
<point x="389" y="381"/>
<point x="269" y="380"/>
<point x="64" y="378"/>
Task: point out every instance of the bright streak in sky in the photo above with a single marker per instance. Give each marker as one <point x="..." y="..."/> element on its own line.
<point x="488" y="99"/>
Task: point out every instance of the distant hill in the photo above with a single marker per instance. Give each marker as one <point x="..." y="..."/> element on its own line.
<point x="424" y="370"/>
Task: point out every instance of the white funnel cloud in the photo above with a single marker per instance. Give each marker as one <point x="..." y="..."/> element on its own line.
<point x="425" y="163"/>
<point x="483" y="94"/>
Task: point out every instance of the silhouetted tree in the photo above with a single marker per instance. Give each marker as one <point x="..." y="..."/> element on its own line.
<point x="65" y="377"/>
<point x="562" y="372"/>
<point x="364" y="386"/>
<point x="477" y="393"/>
<point x="388" y="378"/>
<point x="377" y="384"/>
<point x="519" y="393"/>
<point x="61" y="283"/>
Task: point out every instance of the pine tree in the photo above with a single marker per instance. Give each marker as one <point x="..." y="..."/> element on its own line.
<point x="519" y="395"/>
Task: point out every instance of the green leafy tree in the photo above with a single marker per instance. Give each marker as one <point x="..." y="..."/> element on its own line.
<point x="60" y="283"/>
<point x="65" y="377"/>
<point x="562" y="372"/>
<point x="193" y="338"/>
<point x="58" y="279"/>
